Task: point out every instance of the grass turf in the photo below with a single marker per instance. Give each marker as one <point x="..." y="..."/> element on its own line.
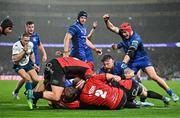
<point x="10" y="108"/>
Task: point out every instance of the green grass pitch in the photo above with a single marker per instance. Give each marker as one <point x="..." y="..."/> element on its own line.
<point x="10" y="108"/>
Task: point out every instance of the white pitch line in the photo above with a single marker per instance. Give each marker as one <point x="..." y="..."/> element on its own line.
<point x="13" y="104"/>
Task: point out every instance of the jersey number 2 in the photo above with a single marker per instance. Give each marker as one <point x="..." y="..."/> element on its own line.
<point x="100" y="93"/>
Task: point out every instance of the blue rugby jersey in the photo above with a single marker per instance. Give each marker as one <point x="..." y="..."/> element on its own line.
<point x="79" y="35"/>
<point x="141" y="59"/>
<point x="116" y="70"/>
<point x="136" y="42"/>
<point x="89" y="54"/>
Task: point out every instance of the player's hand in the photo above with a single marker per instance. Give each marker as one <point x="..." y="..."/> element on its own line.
<point x="80" y="84"/>
<point x="114" y="46"/>
<point x="95" y="24"/>
<point x="66" y="54"/>
<point x="25" y="48"/>
<point x="44" y="58"/>
<point x="106" y="17"/>
<point x="128" y="73"/>
<point x="116" y="78"/>
<point x="58" y="53"/>
<point x="36" y="67"/>
<point x="98" y="51"/>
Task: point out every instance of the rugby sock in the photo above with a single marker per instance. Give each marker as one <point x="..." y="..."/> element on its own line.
<point x="169" y="91"/>
<point x="131" y="105"/>
<point x="142" y="98"/>
<point x="152" y="94"/>
<point x="28" y="86"/>
<point x="34" y="84"/>
<point x="16" y="91"/>
<point x="38" y="95"/>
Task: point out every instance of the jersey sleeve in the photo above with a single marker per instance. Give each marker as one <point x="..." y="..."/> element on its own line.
<point x="15" y="49"/>
<point x="72" y="30"/>
<point x="135" y="42"/>
<point x="38" y="40"/>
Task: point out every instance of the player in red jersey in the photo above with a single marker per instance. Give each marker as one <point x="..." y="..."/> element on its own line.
<point x="97" y="92"/>
<point x="54" y="76"/>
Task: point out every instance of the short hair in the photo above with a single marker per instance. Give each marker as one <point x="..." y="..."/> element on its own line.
<point x="25" y="34"/>
<point x="29" y="22"/>
<point x="70" y="94"/>
<point x="106" y="57"/>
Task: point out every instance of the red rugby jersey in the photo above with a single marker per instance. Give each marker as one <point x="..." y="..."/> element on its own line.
<point x="97" y="92"/>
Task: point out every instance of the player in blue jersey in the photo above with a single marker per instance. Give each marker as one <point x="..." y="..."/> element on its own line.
<point x="135" y="55"/>
<point x="6" y="26"/>
<point x="34" y="38"/>
<point x="111" y="66"/>
<point x="78" y="35"/>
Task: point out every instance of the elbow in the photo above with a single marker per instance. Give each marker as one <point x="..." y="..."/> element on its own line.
<point x="15" y="59"/>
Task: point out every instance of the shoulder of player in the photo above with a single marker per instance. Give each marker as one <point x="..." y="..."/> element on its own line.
<point x="117" y="62"/>
<point x="35" y="34"/>
<point x="17" y="43"/>
<point x="76" y="25"/>
<point x="136" y="36"/>
<point x="31" y="44"/>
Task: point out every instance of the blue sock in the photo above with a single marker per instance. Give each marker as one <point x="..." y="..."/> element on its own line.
<point x="28" y="86"/>
<point x="170" y="92"/>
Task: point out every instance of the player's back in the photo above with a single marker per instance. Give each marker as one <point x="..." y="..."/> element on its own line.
<point x="97" y="92"/>
<point x="74" y="67"/>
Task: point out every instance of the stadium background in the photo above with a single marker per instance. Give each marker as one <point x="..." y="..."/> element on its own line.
<point x="157" y="21"/>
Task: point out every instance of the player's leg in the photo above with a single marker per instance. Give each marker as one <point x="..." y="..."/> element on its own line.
<point x="55" y="94"/>
<point x="155" y="95"/>
<point x="28" y="86"/>
<point x="18" y="87"/>
<point x="34" y="77"/>
<point x="150" y="71"/>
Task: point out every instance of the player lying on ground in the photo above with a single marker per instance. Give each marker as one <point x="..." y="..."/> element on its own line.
<point x="55" y="73"/>
<point x="96" y="91"/>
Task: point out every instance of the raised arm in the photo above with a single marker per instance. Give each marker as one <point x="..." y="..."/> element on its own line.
<point x="89" y="37"/>
<point x="109" y="24"/>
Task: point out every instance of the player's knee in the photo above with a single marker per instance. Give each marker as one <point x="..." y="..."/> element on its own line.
<point x="26" y="77"/>
<point x="154" y="77"/>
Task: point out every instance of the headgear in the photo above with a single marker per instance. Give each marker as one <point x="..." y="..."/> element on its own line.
<point x="6" y="23"/>
<point x="82" y="13"/>
<point x="126" y="27"/>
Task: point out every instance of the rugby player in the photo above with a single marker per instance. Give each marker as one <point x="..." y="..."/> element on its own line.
<point x="22" y="52"/>
<point x="6" y="26"/>
<point x="135" y="55"/>
<point x="55" y="73"/>
<point x="78" y="34"/>
<point x="34" y="38"/>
